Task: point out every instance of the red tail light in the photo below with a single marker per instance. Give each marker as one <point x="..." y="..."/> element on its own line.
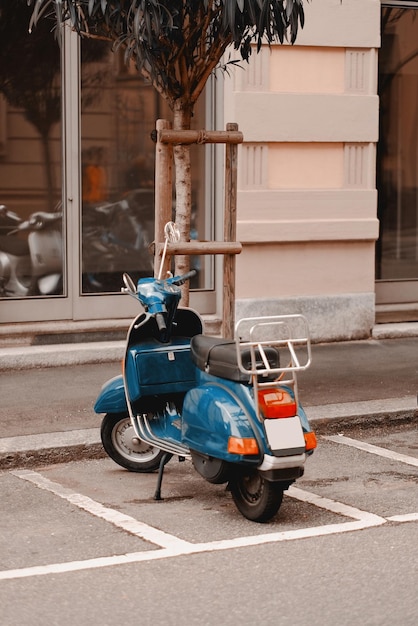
<point x="276" y="403"/>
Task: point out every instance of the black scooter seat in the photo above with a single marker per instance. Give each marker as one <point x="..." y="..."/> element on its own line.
<point x="218" y="357"/>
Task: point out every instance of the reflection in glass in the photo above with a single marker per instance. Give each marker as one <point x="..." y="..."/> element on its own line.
<point x="119" y="111"/>
<point x="397" y="162"/>
<point x="31" y="246"/>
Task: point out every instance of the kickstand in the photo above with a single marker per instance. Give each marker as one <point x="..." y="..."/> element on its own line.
<point x="164" y="460"/>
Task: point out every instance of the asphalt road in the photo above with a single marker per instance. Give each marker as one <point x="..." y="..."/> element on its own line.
<point x="85" y="543"/>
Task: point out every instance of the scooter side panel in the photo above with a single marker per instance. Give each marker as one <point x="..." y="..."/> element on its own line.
<point x="211" y="414"/>
<point x="111" y="398"/>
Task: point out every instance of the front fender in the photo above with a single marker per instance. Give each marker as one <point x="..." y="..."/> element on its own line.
<point x="211" y="414"/>
<point x="111" y="398"/>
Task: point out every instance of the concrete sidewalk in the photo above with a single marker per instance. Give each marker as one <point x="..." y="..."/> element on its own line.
<point x="48" y="391"/>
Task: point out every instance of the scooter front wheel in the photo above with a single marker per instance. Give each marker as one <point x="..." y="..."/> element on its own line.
<point x="125" y="448"/>
<point x="255" y="497"/>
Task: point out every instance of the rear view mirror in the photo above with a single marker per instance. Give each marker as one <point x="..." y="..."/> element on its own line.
<point x="130" y="286"/>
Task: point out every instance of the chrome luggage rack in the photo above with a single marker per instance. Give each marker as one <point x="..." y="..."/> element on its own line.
<point x="289" y="334"/>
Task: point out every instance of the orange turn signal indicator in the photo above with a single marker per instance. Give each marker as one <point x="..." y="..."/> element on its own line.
<point x="242" y="445"/>
<point x="310" y="441"/>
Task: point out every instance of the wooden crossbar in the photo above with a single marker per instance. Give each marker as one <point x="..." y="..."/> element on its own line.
<point x="200" y="247"/>
<point x="169" y="136"/>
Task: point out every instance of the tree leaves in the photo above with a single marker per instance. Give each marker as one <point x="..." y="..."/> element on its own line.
<point x="178" y="43"/>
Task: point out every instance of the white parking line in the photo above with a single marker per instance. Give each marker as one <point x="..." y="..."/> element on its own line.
<point x="407" y="517"/>
<point x="130" y="524"/>
<point x="367" y="447"/>
<point x="171" y="546"/>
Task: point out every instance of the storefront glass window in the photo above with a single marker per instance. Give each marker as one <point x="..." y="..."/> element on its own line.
<point x="397" y="162"/>
<point x="31" y="235"/>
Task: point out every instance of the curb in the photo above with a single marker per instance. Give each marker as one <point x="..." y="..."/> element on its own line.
<point x="62" y="447"/>
<point x="395" y="330"/>
<point x="61" y="354"/>
<point x="370" y="410"/>
<point x="58" y="447"/>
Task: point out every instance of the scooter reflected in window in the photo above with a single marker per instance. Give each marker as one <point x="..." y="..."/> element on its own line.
<point x="31" y="254"/>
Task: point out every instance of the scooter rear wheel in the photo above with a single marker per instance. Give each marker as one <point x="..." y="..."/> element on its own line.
<point x="255" y="497"/>
<point x="125" y="448"/>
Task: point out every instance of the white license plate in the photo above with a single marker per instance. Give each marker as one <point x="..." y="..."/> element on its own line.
<point x="285" y="434"/>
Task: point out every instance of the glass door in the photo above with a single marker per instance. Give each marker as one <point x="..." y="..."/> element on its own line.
<point x="33" y="281"/>
<point x="397" y="158"/>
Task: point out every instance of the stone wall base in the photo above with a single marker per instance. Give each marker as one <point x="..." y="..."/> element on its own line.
<point x="330" y="318"/>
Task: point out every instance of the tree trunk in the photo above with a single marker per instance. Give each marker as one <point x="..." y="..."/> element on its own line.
<point x="183" y="184"/>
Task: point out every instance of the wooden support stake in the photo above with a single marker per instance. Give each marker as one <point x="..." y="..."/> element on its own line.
<point x="230" y="234"/>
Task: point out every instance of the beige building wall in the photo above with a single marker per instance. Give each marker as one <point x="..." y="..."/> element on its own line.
<point x="307" y="199"/>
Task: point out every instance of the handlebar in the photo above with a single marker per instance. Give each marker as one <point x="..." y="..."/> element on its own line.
<point x="11" y="215"/>
<point x="159" y="298"/>
<point x="180" y="280"/>
<point x="38" y="221"/>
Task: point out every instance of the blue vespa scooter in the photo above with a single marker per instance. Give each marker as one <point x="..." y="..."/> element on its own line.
<point x="229" y="406"/>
